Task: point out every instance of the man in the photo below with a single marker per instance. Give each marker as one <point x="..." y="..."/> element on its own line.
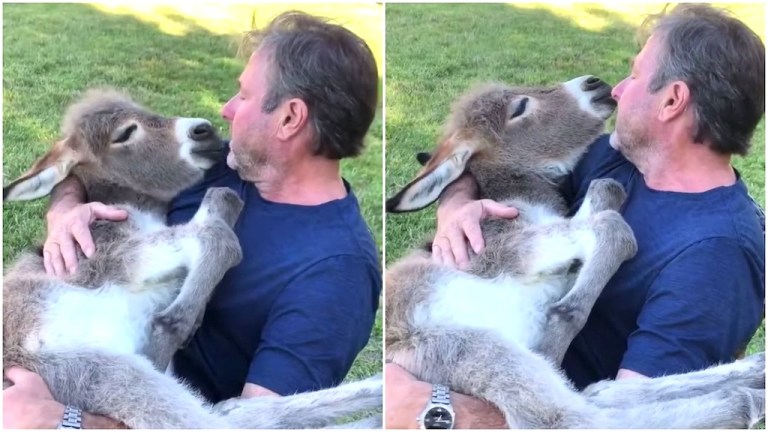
<point x="294" y="314"/>
<point x="694" y="294"/>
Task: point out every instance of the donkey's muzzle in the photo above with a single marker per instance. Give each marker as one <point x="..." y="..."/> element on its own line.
<point x="600" y="90"/>
<point x="214" y="148"/>
<point x="201" y="132"/>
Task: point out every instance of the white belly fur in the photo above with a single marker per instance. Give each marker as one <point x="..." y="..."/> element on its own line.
<point x="504" y="305"/>
<point x="111" y="318"/>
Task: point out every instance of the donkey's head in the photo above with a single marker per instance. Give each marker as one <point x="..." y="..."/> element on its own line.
<point x="495" y="128"/>
<point x="106" y="137"/>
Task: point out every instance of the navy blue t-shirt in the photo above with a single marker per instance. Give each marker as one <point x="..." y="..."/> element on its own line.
<point x="694" y="293"/>
<point x="294" y="314"/>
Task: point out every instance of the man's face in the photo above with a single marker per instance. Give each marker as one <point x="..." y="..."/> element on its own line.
<point x="252" y="130"/>
<point x="636" y="119"/>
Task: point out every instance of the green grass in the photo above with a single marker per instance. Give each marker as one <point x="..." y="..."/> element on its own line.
<point x="436" y="51"/>
<point x="176" y="61"/>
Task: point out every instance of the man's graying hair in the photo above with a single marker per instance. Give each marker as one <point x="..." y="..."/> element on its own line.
<point x="328" y="67"/>
<point x="723" y="63"/>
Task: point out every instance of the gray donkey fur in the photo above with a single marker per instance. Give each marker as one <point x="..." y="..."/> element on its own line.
<point x="102" y="337"/>
<point x="499" y="330"/>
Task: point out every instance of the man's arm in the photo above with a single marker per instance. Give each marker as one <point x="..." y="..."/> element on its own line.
<point x="703" y="307"/>
<point x="253" y="390"/>
<point x="316" y="327"/>
<point x="29" y="404"/>
<point x="406" y="397"/>
<point x="628" y="374"/>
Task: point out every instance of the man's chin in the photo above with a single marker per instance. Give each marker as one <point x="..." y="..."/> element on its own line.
<point x="231" y="160"/>
<point x="613" y="140"/>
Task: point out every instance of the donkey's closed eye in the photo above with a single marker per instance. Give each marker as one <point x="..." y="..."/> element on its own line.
<point x="126" y="135"/>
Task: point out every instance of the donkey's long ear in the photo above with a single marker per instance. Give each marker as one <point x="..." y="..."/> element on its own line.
<point x="46" y="173"/>
<point x="443" y="168"/>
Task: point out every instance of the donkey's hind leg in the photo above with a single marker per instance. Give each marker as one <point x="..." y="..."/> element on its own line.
<point x="728" y="408"/>
<point x="745" y="373"/>
<point x="311" y="410"/>
<point x="125" y="388"/>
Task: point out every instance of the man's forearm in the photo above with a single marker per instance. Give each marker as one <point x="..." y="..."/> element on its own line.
<point x="462" y="190"/>
<point x="473" y="413"/>
<point x="65" y="195"/>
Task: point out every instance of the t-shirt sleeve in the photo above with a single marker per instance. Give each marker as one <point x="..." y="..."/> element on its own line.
<point x="703" y="307"/>
<point x="317" y="326"/>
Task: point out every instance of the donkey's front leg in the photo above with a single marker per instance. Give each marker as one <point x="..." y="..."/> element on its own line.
<point x="610" y="242"/>
<point x="220" y="250"/>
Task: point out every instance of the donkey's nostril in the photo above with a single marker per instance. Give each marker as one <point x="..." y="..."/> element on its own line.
<point x="201" y="132"/>
<point x="592" y="83"/>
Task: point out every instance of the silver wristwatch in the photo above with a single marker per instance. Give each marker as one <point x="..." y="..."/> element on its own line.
<point x="439" y="412"/>
<point x="73" y="418"/>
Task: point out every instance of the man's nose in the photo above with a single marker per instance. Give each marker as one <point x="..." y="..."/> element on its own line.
<point x="228" y="111"/>
<point x="617" y="90"/>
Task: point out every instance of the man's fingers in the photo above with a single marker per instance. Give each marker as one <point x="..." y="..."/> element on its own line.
<point x="48" y="264"/>
<point x="57" y="261"/>
<point x="82" y="235"/>
<point x="474" y="235"/>
<point x="18" y="375"/>
<point x="447" y="253"/>
<point x="459" y="247"/>
<point x="68" y="254"/>
<point x="437" y="253"/>
<point x="492" y="208"/>
<point x="102" y="211"/>
<point x="441" y="251"/>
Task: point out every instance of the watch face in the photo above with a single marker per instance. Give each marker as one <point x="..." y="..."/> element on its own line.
<point x="438" y="418"/>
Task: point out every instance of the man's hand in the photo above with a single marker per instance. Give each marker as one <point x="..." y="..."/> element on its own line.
<point x="68" y="226"/>
<point x="28" y="404"/>
<point x="405" y="396"/>
<point x="459" y="223"/>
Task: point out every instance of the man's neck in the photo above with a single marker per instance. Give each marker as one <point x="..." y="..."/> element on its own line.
<point x="309" y="182"/>
<point x="686" y="167"/>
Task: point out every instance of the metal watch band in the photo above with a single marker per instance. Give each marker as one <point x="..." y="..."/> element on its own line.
<point x="73" y="418"/>
<point x="441" y="394"/>
<point x="438" y="414"/>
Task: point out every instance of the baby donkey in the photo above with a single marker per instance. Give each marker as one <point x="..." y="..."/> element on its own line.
<point x="499" y="329"/>
<point x="100" y="338"/>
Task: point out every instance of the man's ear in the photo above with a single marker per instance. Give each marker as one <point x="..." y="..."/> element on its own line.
<point x="294" y="115"/>
<point x="443" y="168"/>
<point x="45" y="173"/>
<point x="677" y="97"/>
